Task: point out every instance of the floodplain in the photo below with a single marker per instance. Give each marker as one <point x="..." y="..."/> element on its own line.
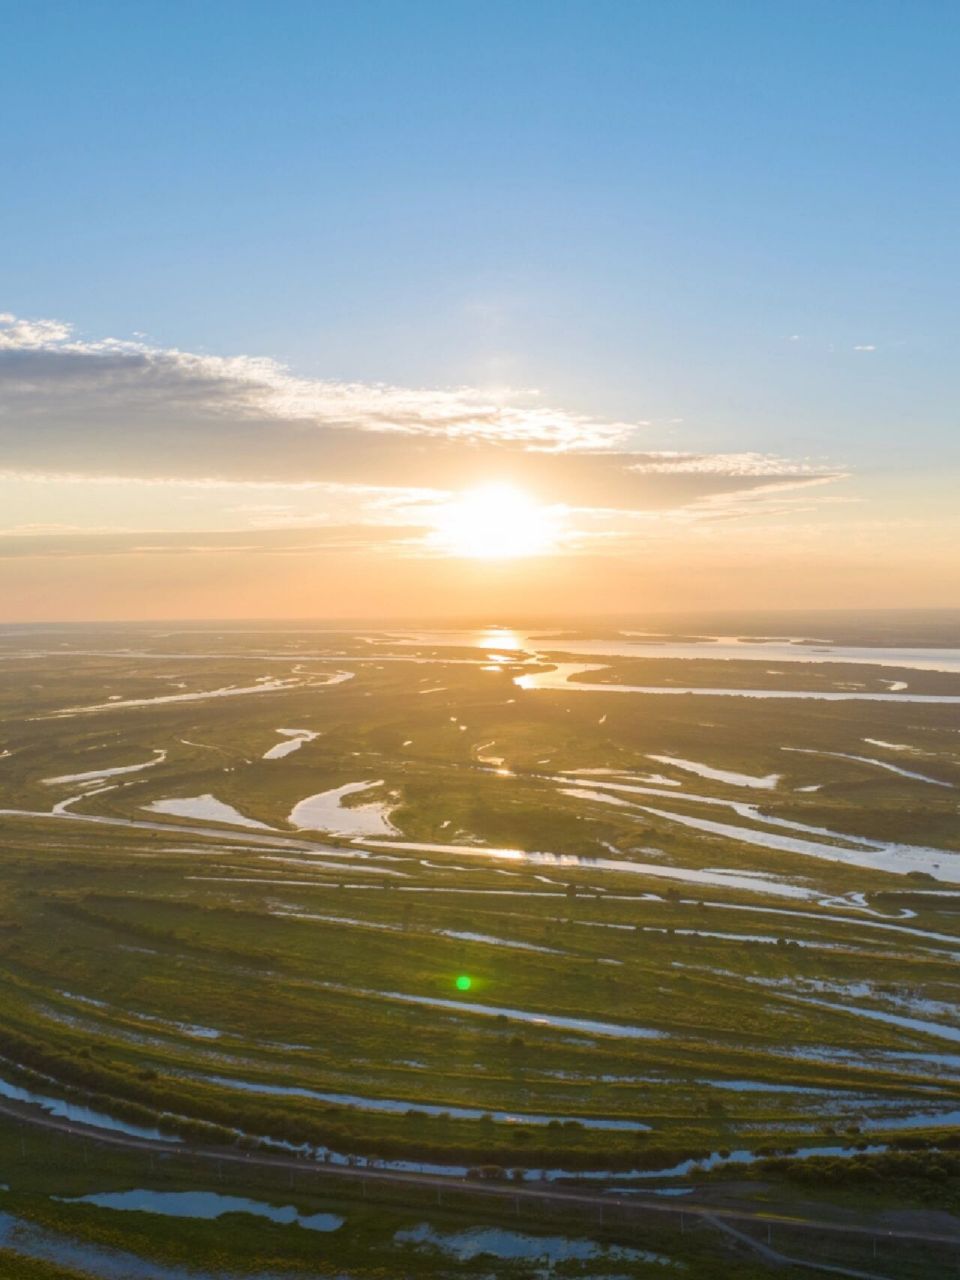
<point x="478" y="913"/>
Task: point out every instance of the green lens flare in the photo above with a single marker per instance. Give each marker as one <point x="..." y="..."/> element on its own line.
<point x="464" y="982"/>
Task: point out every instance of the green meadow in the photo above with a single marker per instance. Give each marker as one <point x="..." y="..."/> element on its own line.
<point x="705" y="936"/>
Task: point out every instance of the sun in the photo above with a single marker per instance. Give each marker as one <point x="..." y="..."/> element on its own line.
<point x="495" y="522"/>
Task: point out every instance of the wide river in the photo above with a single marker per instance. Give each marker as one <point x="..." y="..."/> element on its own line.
<point x="727" y="648"/>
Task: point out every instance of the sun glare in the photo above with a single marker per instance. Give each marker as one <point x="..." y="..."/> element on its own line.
<point x="496" y="522"/>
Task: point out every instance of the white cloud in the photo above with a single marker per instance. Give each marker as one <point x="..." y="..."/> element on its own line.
<point x="30" y="334"/>
<point x="725" y="464"/>
<point x="258" y="385"/>
<point x="72" y="407"/>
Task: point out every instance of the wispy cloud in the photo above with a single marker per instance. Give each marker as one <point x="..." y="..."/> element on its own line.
<point x="740" y="465"/>
<point x="95" y="408"/>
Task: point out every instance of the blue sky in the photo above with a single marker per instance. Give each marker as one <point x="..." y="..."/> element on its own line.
<point x="731" y="223"/>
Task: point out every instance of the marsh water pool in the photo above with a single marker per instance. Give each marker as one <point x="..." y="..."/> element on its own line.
<point x="205" y="1205"/>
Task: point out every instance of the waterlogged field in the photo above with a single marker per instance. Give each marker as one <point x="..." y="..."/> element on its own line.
<point x="559" y="908"/>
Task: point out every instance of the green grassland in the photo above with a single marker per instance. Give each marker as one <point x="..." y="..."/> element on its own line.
<point x="291" y="984"/>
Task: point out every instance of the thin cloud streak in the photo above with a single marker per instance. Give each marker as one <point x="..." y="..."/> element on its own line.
<point x="60" y="544"/>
